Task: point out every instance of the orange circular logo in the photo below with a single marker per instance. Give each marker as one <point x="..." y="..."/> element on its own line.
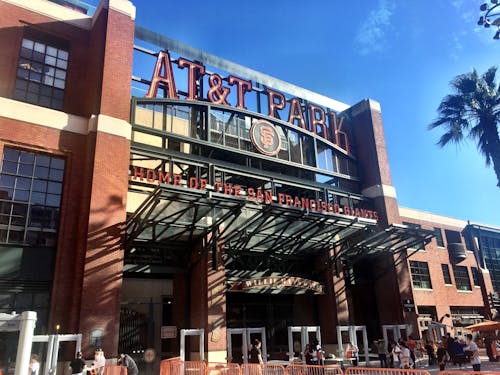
<point x="265" y="137"/>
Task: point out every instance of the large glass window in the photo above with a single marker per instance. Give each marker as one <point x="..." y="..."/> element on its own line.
<point x="462" y="279"/>
<point x="420" y="275"/>
<point x="41" y="73"/>
<point x="446" y="274"/>
<point x="439" y="237"/>
<point x="30" y="197"/>
<point x="475" y="276"/>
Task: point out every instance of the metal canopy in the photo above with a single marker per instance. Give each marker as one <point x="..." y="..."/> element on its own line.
<point x="174" y="215"/>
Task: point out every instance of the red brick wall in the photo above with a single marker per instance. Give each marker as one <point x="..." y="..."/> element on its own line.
<point x="443" y="296"/>
<point x="65" y="302"/>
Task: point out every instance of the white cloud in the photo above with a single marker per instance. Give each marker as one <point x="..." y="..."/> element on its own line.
<point x="372" y="35"/>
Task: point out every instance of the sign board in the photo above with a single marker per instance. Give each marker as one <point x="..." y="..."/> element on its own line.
<point x="9" y="323"/>
<point x="409" y="305"/>
<point x="168" y="332"/>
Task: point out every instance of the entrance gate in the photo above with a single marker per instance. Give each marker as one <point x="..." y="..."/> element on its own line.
<point x="25" y="324"/>
<point x="192" y="332"/>
<point x="246" y="339"/>
<point x="353" y="330"/>
<point x="53" y="349"/>
<point x="304" y="338"/>
<point x="397" y="331"/>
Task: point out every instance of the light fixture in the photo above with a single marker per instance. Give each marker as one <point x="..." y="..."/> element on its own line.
<point x="483" y="7"/>
<point x="491" y="16"/>
<point x="497" y="35"/>
<point x="481" y="21"/>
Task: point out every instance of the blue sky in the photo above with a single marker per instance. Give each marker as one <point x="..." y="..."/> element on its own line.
<point x="402" y="54"/>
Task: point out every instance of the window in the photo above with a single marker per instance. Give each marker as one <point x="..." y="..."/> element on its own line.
<point x="462" y="279"/>
<point x="30" y="197"/>
<point x="446" y="274"/>
<point x="475" y="276"/>
<point x="420" y="274"/>
<point x="439" y="237"/>
<point x="41" y="72"/>
<point x="452" y="236"/>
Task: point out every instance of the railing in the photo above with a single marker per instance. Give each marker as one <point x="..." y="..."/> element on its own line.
<point x="265" y="369"/>
<point x="383" y="371"/>
<point x="295" y="369"/>
<point x="115" y="370"/>
<point x="467" y="372"/>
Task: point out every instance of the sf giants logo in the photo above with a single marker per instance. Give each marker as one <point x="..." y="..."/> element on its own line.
<point x="265" y="137"/>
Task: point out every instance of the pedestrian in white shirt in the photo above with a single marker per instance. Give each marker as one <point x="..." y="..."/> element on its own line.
<point x="472" y="347"/>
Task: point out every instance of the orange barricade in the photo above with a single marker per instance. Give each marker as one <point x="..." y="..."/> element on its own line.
<point x="467" y="372"/>
<point x="189" y="368"/>
<point x="383" y="371"/>
<point x="313" y="370"/>
<point x="166" y="366"/>
<point x="223" y="369"/>
<point x="266" y="369"/>
<point x="115" y="370"/>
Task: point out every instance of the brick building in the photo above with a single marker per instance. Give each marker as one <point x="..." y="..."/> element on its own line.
<point x="204" y="196"/>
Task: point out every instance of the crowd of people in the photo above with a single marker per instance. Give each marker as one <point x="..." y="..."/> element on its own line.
<point x="403" y="353"/>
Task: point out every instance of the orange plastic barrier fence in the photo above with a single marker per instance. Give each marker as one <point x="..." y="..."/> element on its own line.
<point x="266" y="369"/>
<point x="295" y="369"/>
<point x="467" y="372"/>
<point x="115" y="370"/>
<point x="166" y="366"/>
<point x="223" y="369"/>
<point x="189" y="368"/>
<point x="383" y="371"/>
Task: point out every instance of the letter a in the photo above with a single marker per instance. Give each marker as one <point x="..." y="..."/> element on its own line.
<point x="163" y="63"/>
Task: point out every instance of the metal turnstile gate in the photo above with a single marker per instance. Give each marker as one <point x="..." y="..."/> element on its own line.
<point x="353" y="330"/>
<point x="192" y="332"/>
<point x="246" y="343"/>
<point x="304" y="338"/>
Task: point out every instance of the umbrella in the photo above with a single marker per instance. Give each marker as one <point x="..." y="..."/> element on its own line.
<point x="487" y="325"/>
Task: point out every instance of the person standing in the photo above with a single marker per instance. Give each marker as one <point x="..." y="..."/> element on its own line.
<point x="308" y="355"/>
<point x="354" y="352"/>
<point x="471" y="346"/>
<point x="396" y="354"/>
<point x="99" y="361"/>
<point x="34" y="366"/>
<point x="256" y="352"/>
<point x="382" y="353"/>
<point x="77" y="364"/>
<point x="442" y="356"/>
<point x="129" y="363"/>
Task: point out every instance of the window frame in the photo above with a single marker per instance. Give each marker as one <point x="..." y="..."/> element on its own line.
<point x="447" y="274"/>
<point x="459" y="279"/>
<point x="420" y="274"/>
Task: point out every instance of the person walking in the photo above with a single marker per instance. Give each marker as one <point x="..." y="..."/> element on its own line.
<point x="129" y="363"/>
<point x="412" y="345"/>
<point x="77" y="364"/>
<point x="396" y="354"/>
<point x="405" y="356"/>
<point x="472" y="347"/>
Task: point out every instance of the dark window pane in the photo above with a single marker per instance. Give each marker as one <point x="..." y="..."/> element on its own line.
<point x="10" y="154"/>
<point x="23" y="183"/>
<point x="6" y="180"/>
<point x="420" y="274"/>
<point x="9" y="167"/>
<point x="37" y="198"/>
<point x="26" y="169"/>
<point x="41" y="172"/>
<point x="56" y="174"/>
<point x="40" y="185"/>
<point x="55" y="188"/>
<point x="6" y="193"/>
<point x="5" y="207"/>
<point x="27" y="157"/>
<point x="43" y="160"/>
<point x="21" y="195"/>
<point x="53" y="200"/>
<point x="16" y="236"/>
<point x="57" y="163"/>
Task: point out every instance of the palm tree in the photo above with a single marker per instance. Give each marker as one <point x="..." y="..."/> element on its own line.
<point x="474" y="112"/>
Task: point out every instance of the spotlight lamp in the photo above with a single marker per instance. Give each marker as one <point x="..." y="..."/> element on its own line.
<point x="491" y="16"/>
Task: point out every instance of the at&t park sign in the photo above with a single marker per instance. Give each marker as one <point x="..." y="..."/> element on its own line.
<point x="310" y="117"/>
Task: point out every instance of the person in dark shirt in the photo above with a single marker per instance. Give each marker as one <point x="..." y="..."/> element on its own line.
<point x="442" y="357"/>
<point x="256" y="353"/>
<point x="129" y="363"/>
<point x="77" y="364"/>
